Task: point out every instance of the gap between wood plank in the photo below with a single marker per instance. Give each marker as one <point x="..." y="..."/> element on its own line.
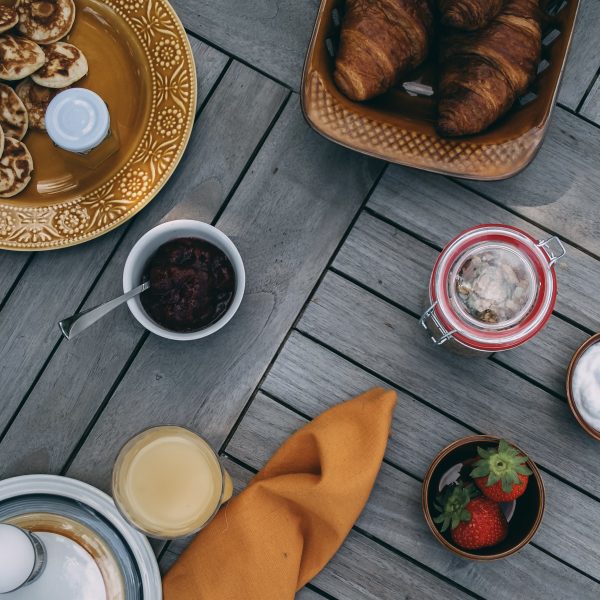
<point x="239" y="59"/>
<point x="586" y="93"/>
<point x="11" y="289"/>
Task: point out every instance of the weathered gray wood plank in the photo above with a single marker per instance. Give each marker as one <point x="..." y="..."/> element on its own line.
<point x="394" y="515"/>
<point x="398" y="266"/>
<point x="209" y="65"/>
<point x="559" y="189"/>
<point x="436" y="210"/>
<point x="272" y="35"/>
<point x="287" y="217"/>
<point x="231" y="126"/>
<point x="479" y="392"/>
<point x="591" y="106"/>
<point x="584" y="59"/>
<point x="301" y="376"/>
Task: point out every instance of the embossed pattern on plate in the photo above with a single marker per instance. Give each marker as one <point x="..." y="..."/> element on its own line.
<point x="94" y="201"/>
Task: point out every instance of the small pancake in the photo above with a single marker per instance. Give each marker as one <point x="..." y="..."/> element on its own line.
<point x="15" y="159"/>
<point x="7" y="179"/>
<point x="65" y="64"/>
<point x="36" y="100"/>
<point x="8" y="18"/>
<point x="13" y="114"/>
<point x="19" y="57"/>
<point x="2" y="139"/>
<point x="46" y="21"/>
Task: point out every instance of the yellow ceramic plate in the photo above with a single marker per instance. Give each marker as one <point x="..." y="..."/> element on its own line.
<point x="141" y="64"/>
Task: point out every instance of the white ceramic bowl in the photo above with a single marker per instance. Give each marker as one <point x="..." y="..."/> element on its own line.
<point x="150" y="242"/>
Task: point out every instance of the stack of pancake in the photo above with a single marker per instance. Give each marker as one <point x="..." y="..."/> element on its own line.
<point x="39" y="65"/>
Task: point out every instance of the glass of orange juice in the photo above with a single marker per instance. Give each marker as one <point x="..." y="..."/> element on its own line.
<point x="168" y="482"/>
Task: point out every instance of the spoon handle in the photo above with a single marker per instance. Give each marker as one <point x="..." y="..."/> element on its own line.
<point x="81" y="321"/>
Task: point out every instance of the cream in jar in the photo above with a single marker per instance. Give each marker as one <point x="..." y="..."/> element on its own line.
<point x="586" y="386"/>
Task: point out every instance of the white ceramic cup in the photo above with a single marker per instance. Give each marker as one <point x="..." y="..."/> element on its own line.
<point x="150" y="242"/>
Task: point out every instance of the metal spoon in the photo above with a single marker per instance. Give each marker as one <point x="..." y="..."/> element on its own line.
<point x="81" y="321"/>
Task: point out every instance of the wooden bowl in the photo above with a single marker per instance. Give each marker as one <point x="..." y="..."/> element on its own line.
<point x="587" y="344"/>
<point x="400" y="128"/>
<point x="529" y="508"/>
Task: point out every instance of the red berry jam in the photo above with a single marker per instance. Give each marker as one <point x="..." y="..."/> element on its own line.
<point x="192" y="284"/>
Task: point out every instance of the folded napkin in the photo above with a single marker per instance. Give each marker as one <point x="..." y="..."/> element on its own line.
<point x="278" y="533"/>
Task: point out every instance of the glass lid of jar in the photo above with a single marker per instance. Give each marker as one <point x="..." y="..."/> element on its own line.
<point x="492" y="286"/>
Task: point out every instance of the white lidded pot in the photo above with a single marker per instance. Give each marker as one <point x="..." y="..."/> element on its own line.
<point x="22" y="558"/>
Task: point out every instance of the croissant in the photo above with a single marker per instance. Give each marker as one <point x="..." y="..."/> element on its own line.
<point x="483" y="72"/>
<point x="468" y="14"/>
<point x="380" y="41"/>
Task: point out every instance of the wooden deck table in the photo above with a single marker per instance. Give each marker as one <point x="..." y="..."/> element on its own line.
<point x="338" y="250"/>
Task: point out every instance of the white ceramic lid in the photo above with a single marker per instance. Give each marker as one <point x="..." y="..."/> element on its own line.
<point x="70" y="574"/>
<point x="77" y="120"/>
<point x="17" y="558"/>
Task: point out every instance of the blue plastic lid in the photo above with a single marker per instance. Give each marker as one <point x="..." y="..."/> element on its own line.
<point x="77" y="120"/>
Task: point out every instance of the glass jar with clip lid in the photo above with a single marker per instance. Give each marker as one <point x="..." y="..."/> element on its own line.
<point x="492" y="288"/>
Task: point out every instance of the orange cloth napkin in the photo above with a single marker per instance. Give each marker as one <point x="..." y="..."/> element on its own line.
<point x="278" y="533"/>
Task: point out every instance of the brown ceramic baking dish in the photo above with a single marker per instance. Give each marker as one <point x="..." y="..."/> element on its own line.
<point x="587" y="344"/>
<point x="528" y="511"/>
<point x="399" y="127"/>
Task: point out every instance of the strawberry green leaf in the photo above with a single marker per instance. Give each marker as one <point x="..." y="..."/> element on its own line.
<point x="503" y="447"/>
<point x="493" y="478"/>
<point x="523" y="470"/>
<point x="483" y="452"/>
<point x="481" y="470"/>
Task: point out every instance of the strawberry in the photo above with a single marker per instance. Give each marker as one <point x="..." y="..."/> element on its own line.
<point x="501" y="473"/>
<point x="475" y="522"/>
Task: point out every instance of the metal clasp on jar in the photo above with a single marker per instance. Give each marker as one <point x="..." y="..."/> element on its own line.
<point x="554" y="258"/>
<point x="429" y="315"/>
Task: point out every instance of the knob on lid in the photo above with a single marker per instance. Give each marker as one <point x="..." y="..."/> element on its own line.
<point x="77" y="120"/>
<point x="17" y="558"/>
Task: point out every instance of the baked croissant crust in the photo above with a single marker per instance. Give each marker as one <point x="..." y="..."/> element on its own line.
<point x="483" y="72"/>
<point x="468" y="14"/>
<point x="380" y="41"/>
